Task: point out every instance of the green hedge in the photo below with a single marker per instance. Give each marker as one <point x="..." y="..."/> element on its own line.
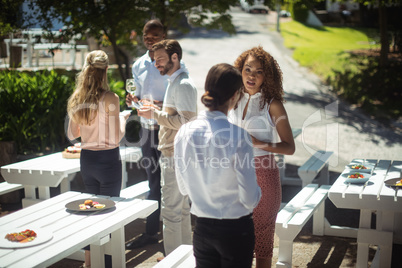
<point x="33" y="108"/>
<point x="377" y="90"/>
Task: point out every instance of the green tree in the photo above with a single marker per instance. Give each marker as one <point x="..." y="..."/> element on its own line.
<point x="114" y="20"/>
<point x="10" y="16"/>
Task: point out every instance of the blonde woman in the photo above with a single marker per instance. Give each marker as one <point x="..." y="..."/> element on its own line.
<point x="94" y="116"/>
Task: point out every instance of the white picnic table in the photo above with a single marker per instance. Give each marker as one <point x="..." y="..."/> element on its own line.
<point x="103" y="230"/>
<point x="373" y="197"/>
<point x="53" y="170"/>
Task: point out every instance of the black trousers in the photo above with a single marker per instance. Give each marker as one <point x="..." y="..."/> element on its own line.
<point x="101" y="171"/>
<point x="150" y="162"/>
<point x="224" y="243"/>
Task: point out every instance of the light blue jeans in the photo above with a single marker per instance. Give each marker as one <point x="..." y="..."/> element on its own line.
<point x="175" y="209"/>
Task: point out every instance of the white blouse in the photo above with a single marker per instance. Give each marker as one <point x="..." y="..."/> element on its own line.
<point x="214" y="166"/>
<point x="257" y="122"/>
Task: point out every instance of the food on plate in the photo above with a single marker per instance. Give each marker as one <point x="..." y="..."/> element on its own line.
<point x="398" y="183"/>
<point x="356" y="176"/>
<point x="21" y="237"/>
<point x="358" y="167"/>
<point x="72" y="151"/>
<point x="88" y="202"/>
<point x="91" y="204"/>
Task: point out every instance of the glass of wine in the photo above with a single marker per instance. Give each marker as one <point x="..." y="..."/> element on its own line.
<point x="147" y="102"/>
<point x="130" y="88"/>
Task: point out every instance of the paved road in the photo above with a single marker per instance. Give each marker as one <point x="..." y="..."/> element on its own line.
<point x="327" y="123"/>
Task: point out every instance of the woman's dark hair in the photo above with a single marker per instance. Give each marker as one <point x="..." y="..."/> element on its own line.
<point x="222" y="82"/>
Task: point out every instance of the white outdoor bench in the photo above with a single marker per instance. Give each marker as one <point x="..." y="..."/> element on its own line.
<point x="182" y="257"/>
<point x="317" y="164"/>
<point x="292" y="218"/>
<point x="6" y="187"/>
<point x="138" y="190"/>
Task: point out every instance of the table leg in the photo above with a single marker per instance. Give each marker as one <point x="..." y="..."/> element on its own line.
<point x="98" y="252"/>
<point x="65" y="184"/>
<point x="385" y="223"/>
<point x="362" y="247"/>
<point x="118" y="248"/>
<point x="44" y="192"/>
<point x="97" y="256"/>
<point x="382" y="237"/>
<point x="30" y="192"/>
<point x="124" y="173"/>
<point x="281" y="165"/>
<point x="30" y="196"/>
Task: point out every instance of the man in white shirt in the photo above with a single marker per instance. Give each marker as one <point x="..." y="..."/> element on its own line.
<point x="179" y="107"/>
<point x="149" y="81"/>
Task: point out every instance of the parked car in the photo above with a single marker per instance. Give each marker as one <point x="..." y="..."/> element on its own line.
<point x="284" y="14"/>
<point x="257" y="7"/>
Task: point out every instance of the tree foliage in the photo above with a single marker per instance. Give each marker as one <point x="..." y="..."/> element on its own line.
<point x="10" y="16"/>
<point x="116" y="20"/>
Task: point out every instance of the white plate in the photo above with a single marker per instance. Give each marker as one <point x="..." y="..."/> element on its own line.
<point x="368" y="170"/>
<point x="365" y="178"/>
<point x="42" y="236"/>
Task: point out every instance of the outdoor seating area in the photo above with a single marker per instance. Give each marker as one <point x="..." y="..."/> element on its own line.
<point x="223" y="133"/>
<point x="31" y="49"/>
<point x="308" y="203"/>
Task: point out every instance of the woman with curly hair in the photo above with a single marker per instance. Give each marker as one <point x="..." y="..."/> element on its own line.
<point x="94" y="115"/>
<point x="261" y="112"/>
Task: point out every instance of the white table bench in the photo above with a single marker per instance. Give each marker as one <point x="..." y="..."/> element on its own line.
<point x="6" y="187"/>
<point x="317" y="164"/>
<point x="368" y="198"/>
<point x="292" y="218"/>
<point x="138" y="190"/>
<point x="102" y="230"/>
<point x="53" y="170"/>
<point x="181" y="257"/>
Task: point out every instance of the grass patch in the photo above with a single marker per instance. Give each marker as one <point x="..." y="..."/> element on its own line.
<point x="324" y="49"/>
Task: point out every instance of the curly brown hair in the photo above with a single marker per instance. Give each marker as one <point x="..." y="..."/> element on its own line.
<point x="272" y="87"/>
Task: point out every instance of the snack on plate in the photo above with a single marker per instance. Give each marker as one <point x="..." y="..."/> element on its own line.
<point x="358" y="167"/>
<point x="356" y="176"/>
<point x="21" y="237"/>
<point x="90" y="204"/>
<point x="72" y="151"/>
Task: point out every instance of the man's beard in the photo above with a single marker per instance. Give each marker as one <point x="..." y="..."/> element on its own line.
<point x="167" y="68"/>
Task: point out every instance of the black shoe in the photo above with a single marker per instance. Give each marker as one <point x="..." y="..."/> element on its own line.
<point x="142" y="241"/>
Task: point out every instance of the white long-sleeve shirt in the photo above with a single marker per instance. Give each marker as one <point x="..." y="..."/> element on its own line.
<point x="215" y="168"/>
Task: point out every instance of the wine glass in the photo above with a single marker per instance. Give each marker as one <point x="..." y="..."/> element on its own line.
<point x="147" y="102"/>
<point x="130" y="88"/>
